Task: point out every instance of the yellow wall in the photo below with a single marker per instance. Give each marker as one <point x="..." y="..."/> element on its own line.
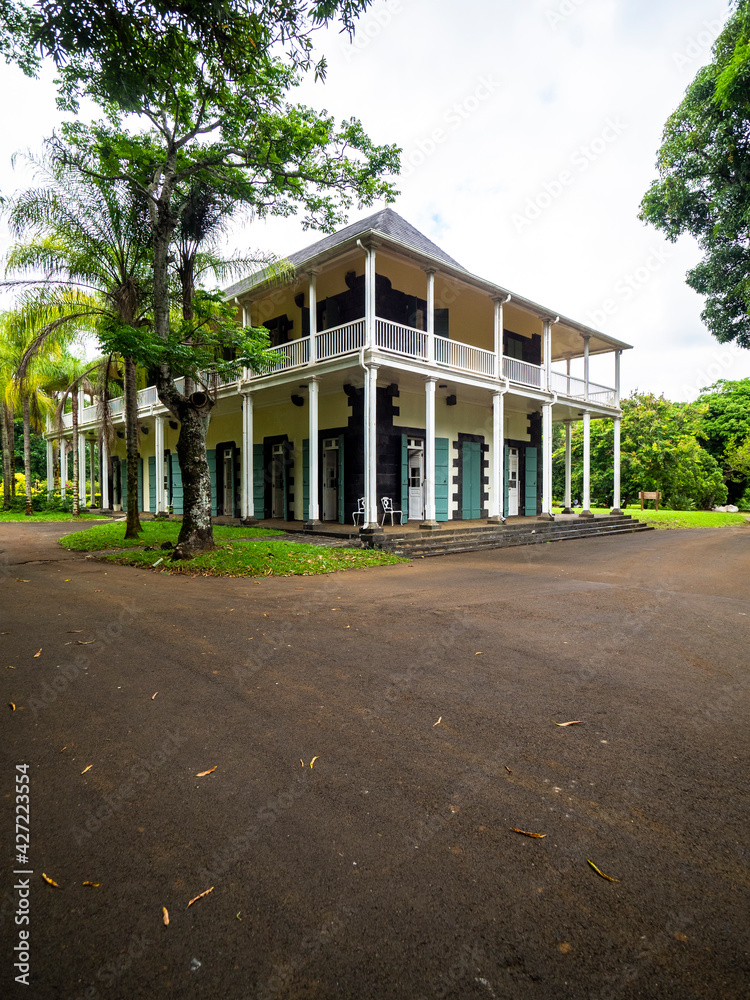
<point x="520" y="322"/>
<point x="278" y="302"/>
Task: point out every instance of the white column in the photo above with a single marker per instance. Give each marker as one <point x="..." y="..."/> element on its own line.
<point x="430" y="318"/>
<point x="370" y="298"/>
<point x="92" y="466"/>
<point x="81" y="466"/>
<point x="567" y="373"/>
<point x="245" y="322"/>
<point x="248" y="501"/>
<point x="159" y="464"/>
<point x="547" y="460"/>
<point x="616" y="497"/>
<point x="50" y="467"/>
<point x="429" y="453"/>
<point x="104" y="458"/>
<point x="497" y="502"/>
<point x="63" y="468"/>
<point x="586" y="364"/>
<point x="370" y="430"/>
<point x="498" y="342"/>
<point x="548" y="354"/>
<point x="618" y="357"/>
<point x="313" y="303"/>
<point x="312" y="402"/>
<point x="568" y="466"/>
<point x="586" y="512"/>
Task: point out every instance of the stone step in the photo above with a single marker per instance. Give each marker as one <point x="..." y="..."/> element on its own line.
<point x="441" y="543"/>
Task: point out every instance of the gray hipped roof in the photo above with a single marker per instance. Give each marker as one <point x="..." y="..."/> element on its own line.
<point x="386" y="221"/>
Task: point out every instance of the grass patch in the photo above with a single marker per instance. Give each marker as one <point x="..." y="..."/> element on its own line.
<point x="681" y="518"/>
<point x="112" y="536"/>
<point x="18" y="516"/>
<point x="261" y="558"/>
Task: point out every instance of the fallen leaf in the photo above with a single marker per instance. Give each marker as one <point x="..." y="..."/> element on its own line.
<point x="64" y="748"/>
<point x="598" y="872"/>
<point x="94" y="885"/>
<point x="240" y="911"/>
<point x="83" y="642"/>
<point x="4" y="633"/>
<point x="38" y="654"/>
<point x="302" y="762"/>
<point x="87" y="769"/>
<point x="454" y="809"/>
<point x="575" y="722"/>
<point x="74" y="631"/>
<point x="50" y="881"/>
<point x="527" y="833"/>
<point x="19" y="580"/>
<point x="154" y="695"/>
<point x="165" y="915"/>
<point x="335" y="609"/>
<point x="202" y="774"/>
<point x="98" y="591"/>
<point x="199" y="896"/>
<point x="10" y="668"/>
<point x="68" y="580"/>
<point x="508" y="769"/>
<point x="438" y="722"/>
<point x="11" y="706"/>
<point x="312" y="762"/>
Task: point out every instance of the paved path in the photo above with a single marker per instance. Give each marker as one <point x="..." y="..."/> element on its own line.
<point x="388" y="870"/>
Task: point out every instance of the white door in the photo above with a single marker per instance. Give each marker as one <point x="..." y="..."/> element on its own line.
<point x="228" y="481"/>
<point x="277" y="481"/>
<point x="513" y="483"/>
<point x="330" y="484"/>
<point x="415" y="460"/>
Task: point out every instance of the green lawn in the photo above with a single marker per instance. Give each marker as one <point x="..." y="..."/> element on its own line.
<point x="17" y="515"/>
<point x="112" y="536"/>
<point x="261" y="558"/>
<point x="240" y="552"/>
<point x="681" y="518"/>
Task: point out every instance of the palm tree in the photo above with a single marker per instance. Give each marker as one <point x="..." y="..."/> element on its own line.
<point x="93" y="245"/>
<point x="30" y="394"/>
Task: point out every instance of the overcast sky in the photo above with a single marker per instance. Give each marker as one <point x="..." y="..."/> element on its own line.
<point x="529" y="130"/>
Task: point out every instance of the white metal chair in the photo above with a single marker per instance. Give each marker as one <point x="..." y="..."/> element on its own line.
<point x="388" y="508"/>
<point x="360" y="511"/>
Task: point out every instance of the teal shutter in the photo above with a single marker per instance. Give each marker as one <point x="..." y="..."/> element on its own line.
<point x="288" y="446"/>
<point x="152" y="484"/>
<point x="140" y="483"/>
<point x="506" y="463"/>
<point x="306" y="480"/>
<point x="530" y="486"/>
<point x="471" y="474"/>
<point x="442" y="463"/>
<point x="341" y="479"/>
<point x="124" y="482"/>
<point x="177" y="504"/>
<point x="259" y="483"/>
<point x="405" y="476"/>
<point x="211" y="457"/>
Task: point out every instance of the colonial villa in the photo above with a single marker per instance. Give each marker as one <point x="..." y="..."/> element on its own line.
<point x="402" y="376"/>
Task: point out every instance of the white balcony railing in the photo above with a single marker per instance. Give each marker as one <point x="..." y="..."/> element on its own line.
<point x="523" y="372"/>
<point x="569" y="385"/>
<point x="295" y="353"/>
<point x="400" y="339"/>
<point x="342" y="339"/>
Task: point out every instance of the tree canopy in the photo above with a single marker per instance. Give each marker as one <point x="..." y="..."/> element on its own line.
<point x="704" y="180"/>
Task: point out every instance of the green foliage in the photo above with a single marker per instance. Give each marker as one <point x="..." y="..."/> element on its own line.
<point x="725" y="430"/>
<point x="155" y="533"/>
<point x="704" y="180"/>
<point x="660" y="451"/>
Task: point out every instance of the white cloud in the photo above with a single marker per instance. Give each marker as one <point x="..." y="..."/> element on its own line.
<point x="493" y="101"/>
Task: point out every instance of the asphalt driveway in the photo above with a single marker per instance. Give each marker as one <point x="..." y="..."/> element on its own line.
<point x="427" y="695"/>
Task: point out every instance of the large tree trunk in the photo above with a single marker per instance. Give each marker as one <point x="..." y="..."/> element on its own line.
<point x="27" y="453"/>
<point x="196" y="533"/>
<point x="133" y="521"/>
<point x="76" y="470"/>
<point x="8" y="446"/>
